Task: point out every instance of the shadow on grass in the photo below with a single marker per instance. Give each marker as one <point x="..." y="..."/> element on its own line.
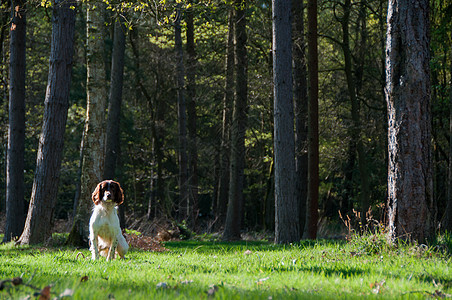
<point x="207" y="247"/>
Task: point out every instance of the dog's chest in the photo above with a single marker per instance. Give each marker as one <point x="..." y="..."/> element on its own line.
<point x="106" y="224"/>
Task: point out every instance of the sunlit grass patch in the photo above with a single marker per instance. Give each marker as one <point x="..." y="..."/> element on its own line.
<point x="251" y="270"/>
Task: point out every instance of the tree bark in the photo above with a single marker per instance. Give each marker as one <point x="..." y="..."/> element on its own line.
<point x="225" y="149"/>
<point x="286" y="207"/>
<point x="239" y="115"/>
<point x="191" y="114"/>
<point x="447" y="218"/>
<point x="115" y="97"/>
<point x="312" y="214"/>
<point x="411" y="211"/>
<point x="45" y="186"/>
<point x="184" y="205"/>
<point x="114" y="106"/>
<point x="94" y="134"/>
<point x="15" y="202"/>
<point x="301" y="111"/>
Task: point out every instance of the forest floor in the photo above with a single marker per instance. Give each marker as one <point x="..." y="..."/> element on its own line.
<point x="322" y="269"/>
<point x="161" y="266"/>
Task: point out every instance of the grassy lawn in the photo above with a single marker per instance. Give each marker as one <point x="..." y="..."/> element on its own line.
<point x="243" y="270"/>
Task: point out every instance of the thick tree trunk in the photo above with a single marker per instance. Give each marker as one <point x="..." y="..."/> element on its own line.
<point x="286" y="206"/>
<point x="239" y="115"/>
<point x="45" y="186"/>
<point x="312" y="214"/>
<point x="184" y="204"/>
<point x="301" y="110"/>
<point x="411" y="211"/>
<point x="191" y="115"/>
<point x="15" y="202"/>
<point x="94" y="134"/>
<point x="114" y="106"/>
<point x="225" y="149"/>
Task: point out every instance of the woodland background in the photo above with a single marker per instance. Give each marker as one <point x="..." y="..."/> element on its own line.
<point x="147" y="164"/>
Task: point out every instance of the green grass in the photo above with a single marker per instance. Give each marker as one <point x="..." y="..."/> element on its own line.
<point x="243" y="270"/>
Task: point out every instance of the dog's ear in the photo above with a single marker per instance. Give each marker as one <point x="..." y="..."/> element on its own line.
<point x="119" y="197"/>
<point x="96" y="194"/>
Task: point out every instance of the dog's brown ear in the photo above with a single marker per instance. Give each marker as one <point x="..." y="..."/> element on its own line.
<point x="119" y="197"/>
<point x="96" y="194"/>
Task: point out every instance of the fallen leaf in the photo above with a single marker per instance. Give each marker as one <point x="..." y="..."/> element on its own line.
<point x="16" y="281"/>
<point x="440" y="294"/>
<point x="376" y="286"/>
<point x="187" y="281"/>
<point x="45" y="293"/>
<point x="260" y="281"/>
<point x="161" y="285"/>
<point x="66" y="293"/>
<point x="211" y="292"/>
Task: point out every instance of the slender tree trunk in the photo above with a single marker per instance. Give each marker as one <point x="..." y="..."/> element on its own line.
<point x="191" y="115"/>
<point x="115" y="96"/>
<point x="45" y="186"/>
<point x="447" y="218"/>
<point x="184" y="205"/>
<point x="312" y="214"/>
<point x="239" y="115"/>
<point x="286" y="207"/>
<point x="225" y="149"/>
<point x="15" y="215"/>
<point x="411" y="212"/>
<point x="114" y="106"/>
<point x="94" y="134"/>
<point x="301" y="110"/>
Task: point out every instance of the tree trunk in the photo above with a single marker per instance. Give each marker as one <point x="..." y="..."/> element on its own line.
<point x="239" y="115"/>
<point x="5" y="19"/>
<point x="312" y="214"/>
<point x="184" y="205"/>
<point x="114" y="106"/>
<point x="447" y="218"/>
<point x="94" y="134"/>
<point x="410" y="199"/>
<point x="301" y="111"/>
<point x="286" y="207"/>
<point x="191" y="115"/>
<point x="15" y="203"/>
<point x="45" y="186"/>
<point x="225" y="149"/>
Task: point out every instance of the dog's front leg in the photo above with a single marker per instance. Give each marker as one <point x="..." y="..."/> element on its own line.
<point x="112" y="252"/>
<point x="93" y="247"/>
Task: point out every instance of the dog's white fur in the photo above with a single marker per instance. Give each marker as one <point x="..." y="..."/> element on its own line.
<point x="105" y="234"/>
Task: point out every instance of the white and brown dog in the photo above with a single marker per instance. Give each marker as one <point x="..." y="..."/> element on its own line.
<point x="105" y="234"/>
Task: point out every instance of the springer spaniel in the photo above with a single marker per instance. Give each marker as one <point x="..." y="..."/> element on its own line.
<point x="104" y="231"/>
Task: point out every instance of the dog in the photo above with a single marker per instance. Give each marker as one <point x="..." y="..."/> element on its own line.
<point x="105" y="234"/>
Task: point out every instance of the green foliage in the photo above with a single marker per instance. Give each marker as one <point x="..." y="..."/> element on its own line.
<point x="252" y="270"/>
